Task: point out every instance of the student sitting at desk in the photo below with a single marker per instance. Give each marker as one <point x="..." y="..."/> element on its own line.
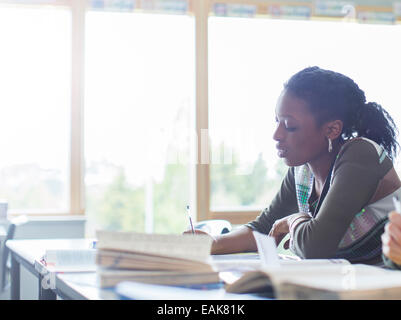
<point x="337" y="193"/>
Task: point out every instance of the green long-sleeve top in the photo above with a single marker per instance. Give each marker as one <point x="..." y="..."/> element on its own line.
<point x="356" y="174"/>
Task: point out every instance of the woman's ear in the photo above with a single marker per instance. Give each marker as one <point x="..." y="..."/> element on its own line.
<point x="334" y="129"/>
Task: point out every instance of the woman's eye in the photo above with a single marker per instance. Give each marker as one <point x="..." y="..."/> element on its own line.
<point x="291" y="129"/>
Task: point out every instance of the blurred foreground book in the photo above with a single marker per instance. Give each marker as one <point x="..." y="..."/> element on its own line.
<point x="154" y="258"/>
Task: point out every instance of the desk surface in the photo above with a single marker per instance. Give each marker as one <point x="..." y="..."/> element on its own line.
<point x="82" y="286"/>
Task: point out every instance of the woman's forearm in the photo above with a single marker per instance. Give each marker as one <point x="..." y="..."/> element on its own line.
<point x="239" y="240"/>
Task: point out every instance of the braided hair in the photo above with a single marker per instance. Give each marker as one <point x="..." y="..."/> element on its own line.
<point x="333" y="96"/>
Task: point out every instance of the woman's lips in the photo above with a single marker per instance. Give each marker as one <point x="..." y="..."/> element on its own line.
<point x="282" y="152"/>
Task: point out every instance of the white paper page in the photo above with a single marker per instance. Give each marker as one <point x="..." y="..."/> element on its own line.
<point x="267" y="250"/>
<point x="236" y="265"/>
<point x="313" y="262"/>
<point x="236" y="262"/>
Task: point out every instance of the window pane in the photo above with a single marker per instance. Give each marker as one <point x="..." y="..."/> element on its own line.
<point x="35" y="107"/>
<point x="139" y="104"/>
<point x="249" y="61"/>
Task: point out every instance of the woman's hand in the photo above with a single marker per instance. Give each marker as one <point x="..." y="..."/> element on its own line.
<point x="279" y="229"/>
<point x="391" y="238"/>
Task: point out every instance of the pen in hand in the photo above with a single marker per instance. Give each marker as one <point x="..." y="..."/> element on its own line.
<point x="190" y="220"/>
<point x="397" y="204"/>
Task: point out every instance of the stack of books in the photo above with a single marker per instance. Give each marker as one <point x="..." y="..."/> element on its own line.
<point x="154" y="258"/>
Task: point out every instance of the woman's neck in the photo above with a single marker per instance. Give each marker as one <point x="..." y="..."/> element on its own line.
<point x="320" y="167"/>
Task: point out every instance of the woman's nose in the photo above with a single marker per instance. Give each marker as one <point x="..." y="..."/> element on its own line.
<point x="278" y="134"/>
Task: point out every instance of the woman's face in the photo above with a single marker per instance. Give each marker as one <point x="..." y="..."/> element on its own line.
<point x="299" y="139"/>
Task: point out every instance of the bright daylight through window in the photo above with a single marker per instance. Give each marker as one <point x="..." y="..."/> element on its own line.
<point x="139" y="109"/>
<point x="35" y="64"/>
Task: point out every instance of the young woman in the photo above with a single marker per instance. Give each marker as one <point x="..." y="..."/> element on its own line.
<point x="336" y="196"/>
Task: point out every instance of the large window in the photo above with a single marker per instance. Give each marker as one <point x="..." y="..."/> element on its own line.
<point x="35" y="68"/>
<point x="139" y="116"/>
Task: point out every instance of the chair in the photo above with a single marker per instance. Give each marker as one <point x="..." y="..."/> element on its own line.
<point x="5" y="261"/>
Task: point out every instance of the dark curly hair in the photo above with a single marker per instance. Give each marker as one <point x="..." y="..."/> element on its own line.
<point x="333" y="96"/>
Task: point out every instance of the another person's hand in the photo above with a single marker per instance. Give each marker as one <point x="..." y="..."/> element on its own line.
<point x="391" y="238"/>
<point x="279" y="229"/>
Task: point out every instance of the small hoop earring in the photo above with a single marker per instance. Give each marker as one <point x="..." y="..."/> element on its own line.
<point x="330" y="145"/>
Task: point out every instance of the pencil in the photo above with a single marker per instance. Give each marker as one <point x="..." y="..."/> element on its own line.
<point x="190" y="220"/>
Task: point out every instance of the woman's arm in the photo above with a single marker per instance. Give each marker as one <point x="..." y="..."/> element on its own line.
<point x="238" y="240"/>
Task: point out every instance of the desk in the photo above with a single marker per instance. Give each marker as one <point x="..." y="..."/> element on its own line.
<point x="81" y="286"/>
<point x="77" y="286"/>
<point x="25" y="252"/>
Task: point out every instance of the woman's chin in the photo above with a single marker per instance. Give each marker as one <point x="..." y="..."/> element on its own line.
<point x="287" y="162"/>
<point x="292" y="163"/>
